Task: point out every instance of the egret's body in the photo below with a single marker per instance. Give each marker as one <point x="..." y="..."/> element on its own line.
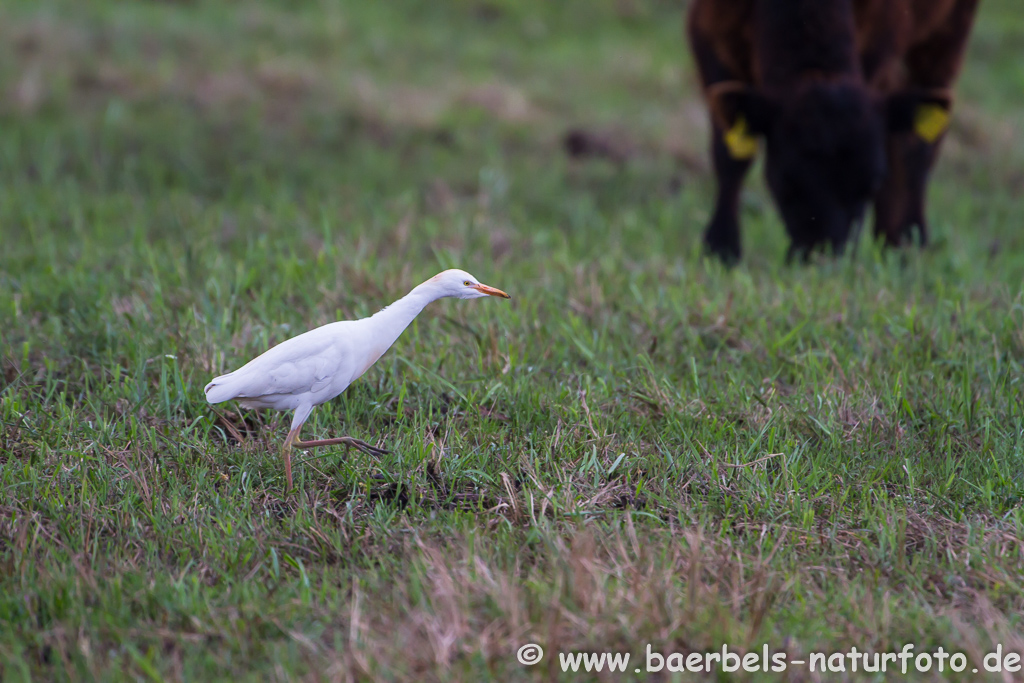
<point x="312" y="368"/>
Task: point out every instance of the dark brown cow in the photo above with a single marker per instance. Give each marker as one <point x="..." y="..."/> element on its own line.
<point x="852" y="98"/>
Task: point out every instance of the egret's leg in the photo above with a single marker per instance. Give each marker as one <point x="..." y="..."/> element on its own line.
<point x="346" y="440"/>
<point x="286" y="451"/>
<point x="298" y="419"/>
<point x="293" y="441"/>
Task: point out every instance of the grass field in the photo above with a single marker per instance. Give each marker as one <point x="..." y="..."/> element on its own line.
<point x="641" y="447"/>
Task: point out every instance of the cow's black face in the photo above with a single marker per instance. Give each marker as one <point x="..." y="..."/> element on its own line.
<point x="825" y="161"/>
<point x="826" y="144"/>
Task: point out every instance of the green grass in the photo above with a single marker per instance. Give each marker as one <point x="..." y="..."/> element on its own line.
<point x="640" y="447"/>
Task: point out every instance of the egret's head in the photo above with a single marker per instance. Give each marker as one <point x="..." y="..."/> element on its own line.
<point x="461" y="285"/>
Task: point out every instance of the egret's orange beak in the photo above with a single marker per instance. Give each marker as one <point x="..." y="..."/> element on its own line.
<point x="493" y="291"/>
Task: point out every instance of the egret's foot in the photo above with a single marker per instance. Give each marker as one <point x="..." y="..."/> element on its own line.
<point x="292" y="441"/>
<point x="358" y="444"/>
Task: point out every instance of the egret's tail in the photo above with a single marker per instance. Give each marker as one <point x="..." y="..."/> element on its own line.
<point x="220" y="389"/>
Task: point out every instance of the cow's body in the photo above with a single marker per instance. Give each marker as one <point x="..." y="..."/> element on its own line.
<point x="851" y="97"/>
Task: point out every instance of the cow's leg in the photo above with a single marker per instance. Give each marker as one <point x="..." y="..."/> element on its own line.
<point x="722" y="237"/>
<point x="918" y="157"/>
<point x="891" y="224"/>
<point x="932" y="64"/>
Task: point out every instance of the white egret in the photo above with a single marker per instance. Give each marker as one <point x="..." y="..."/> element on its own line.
<point x="314" y="367"/>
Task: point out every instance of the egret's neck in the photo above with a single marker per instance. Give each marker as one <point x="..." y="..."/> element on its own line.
<point x="391" y="321"/>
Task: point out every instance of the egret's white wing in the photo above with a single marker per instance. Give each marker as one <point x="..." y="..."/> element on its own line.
<point x="302" y="364"/>
<point x="325" y="372"/>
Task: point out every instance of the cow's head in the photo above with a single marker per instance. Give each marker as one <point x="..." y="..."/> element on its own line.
<point x="826" y="148"/>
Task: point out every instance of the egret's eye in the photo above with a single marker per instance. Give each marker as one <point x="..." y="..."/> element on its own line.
<point x="468" y="283"/>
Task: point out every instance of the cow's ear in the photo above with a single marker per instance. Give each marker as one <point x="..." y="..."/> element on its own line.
<point x="742" y="113"/>
<point x="923" y="112"/>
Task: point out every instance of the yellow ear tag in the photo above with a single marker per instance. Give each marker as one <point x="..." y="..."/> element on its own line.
<point x="741" y="144"/>
<point x="930" y="121"/>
